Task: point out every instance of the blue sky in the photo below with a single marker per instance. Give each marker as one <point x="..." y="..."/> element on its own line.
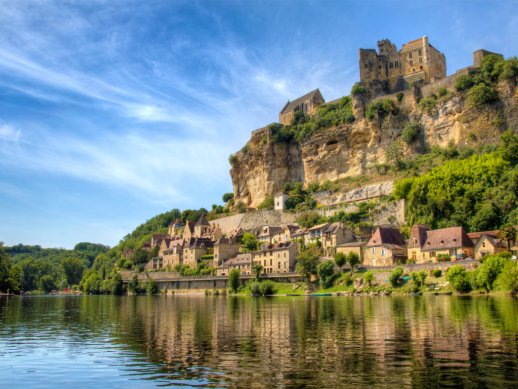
<point x="114" y="111"/>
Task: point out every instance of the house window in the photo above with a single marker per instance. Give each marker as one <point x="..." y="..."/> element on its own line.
<point x="410" y="55"/>
<point x="391" y="65"/>
<point x="374" y="250"/>
<point x="484" y="244"/>
<point x="420" y="60"/>
<point x="420" y="52"/>
<point x="411" y="62"/>
<point x="382" y="252"/>
<point x="396" y="64"/>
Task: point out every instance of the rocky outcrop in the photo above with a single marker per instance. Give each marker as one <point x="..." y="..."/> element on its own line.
<point x="262" y="167"/>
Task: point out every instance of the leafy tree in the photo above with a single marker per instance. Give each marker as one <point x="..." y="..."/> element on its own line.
<point x="508" y="233"/>
<point x="73" y="269"/>
<point x="509" y="69"/>
<point x="133" y="285"/>
<point x="368" y="277"/>
<point x="257" y="270"/>
<point x="255" y="288"/>
<point x="457" y="276"/>
<point x="267" y="288"/>
<point x="340" y="259"/>
<point x="427" y="104"/>
<point x="116" y="285"/>
<point x="509" y="147"/>
<point x="227" y="197"/>
<point x="326" y="272"/>
<point x="464" y="82"/>
<point x="307" y="262"/>
<point x="249" y="242"/>
<point x="357" y="89"/>
<point x="353" y="259"/>
<point x="481" y="94"/>
<point x="489" y="271"/>
<point x="419" y="279"/>
<point x="5" y="269"/>
<point x="233" y="280"/>
<point x="47" y="283"/>
<point x="151" y="287"/>
<point x="380" y="108"/>
<point x="395" y="276"/>
<point x="309" y="219"/>
<point x="508" y="278"/>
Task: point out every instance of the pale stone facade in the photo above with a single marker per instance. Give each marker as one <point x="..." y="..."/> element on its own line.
<point x="307" y="104"/>
<point x="385" y="248"/>
<point x="489" y="245"/>
<point x="352" y="247"/>
<point x="276" y="258"/>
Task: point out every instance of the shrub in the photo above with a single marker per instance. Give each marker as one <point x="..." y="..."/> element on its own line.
<point x="481" y="94"/>
<point x="47" y="284"/>
<point x="437" y="273"/>
<point x="508" y="278"/>
<point x="353" y="259"/>
<point x="464" y="82"/>
<point x="232" y="159"/>
<point x="233" y="280"/>
<point x="379" y="109"/>
<point x="368" y="277"/>
<point x="400" y="96"/>
<point x="395" y="276"/>
<point x="151" y="287"/>
<point x="255" y="288"/>
<point x="267" y="203"/>
<point x="457" y="276"/>
<point x="357" y="89"/>
<point x="492" y="266"/>
<point x="442" y="91"/>
<point x="267" y="288"/>
<point x="427" y="104"/>
<point x="410" y="132"/>
<point x="419" y="279"/>
<point x="509" y="69"/>
<point x="340" y="259"/>
<point x="325" y="273"/>
<point x="227" y="197"/>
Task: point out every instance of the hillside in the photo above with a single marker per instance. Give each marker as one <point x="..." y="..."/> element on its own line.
<point x="359" y="137"/>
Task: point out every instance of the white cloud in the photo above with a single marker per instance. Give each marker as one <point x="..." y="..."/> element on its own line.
<point x="9" y="133"/>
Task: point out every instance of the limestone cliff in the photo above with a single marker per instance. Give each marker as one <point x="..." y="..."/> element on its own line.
<point x="262" y="167"/>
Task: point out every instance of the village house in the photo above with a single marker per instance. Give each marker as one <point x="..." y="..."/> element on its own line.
<point x="267" y="234"/>
<point x="195" y="249"/>
<point x="276" y="258"/>
<point x="241" y="262"/>
<point x="333" y="235"/>
<point x="175" y="228"/>
<point x="225" y="248"/>
<point x="416" y="242"/>
<point x="307" y="104"/>
<point x="352" y="247"/>
<point x="172" y="253"/>
<point x="475" y="236"/>
<point x="489" y="244"/>
<point x="385" y="248"/>
<point x="452" y="243"/>
<point x="285" y="234"/>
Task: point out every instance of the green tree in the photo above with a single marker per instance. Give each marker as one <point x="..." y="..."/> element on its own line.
<point x="368" y="277"/>
<point x="395" y="276"/>
<point x="92" y="284"/>
<point x="152" y="287"/>
<point x="509" y="147"/>
<point x="46" y="283"/>
<point x="340" y="260"/>
<point x="233" y="280"/>
<point x="457" y="276"/>
<point x="508" y="278"/>
<point x="481" y="94"/>
<point x="307" y="262"/>
<point x="508" y="233"/>
<point x="227" y="197"/>
<point x="258" y="268"/>
<point x="249" y="242"/>
<point x="73" y="269"/>
<point x="410" y="132"/>
<point x="489" y="271"/>
<point x="326" y="272"/>
<point x="419" y="279"/>
<point x="5" y="269"/>
<point x="267" y="203"/>
<point x="267" y="288"/>
<point x="353" y="259"/>
<point x="464" y="82"/>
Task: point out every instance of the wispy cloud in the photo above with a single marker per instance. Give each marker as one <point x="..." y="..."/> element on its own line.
<point x="9" y="133"/>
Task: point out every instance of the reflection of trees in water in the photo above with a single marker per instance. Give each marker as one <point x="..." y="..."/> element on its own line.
<point x="301" y="342"/>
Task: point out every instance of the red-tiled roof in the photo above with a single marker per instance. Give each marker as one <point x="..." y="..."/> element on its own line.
<point x="418" y="235"/>
<point x="447" y="238"/>
<point x="476" y="235"/>
<point x="386" y="235"/>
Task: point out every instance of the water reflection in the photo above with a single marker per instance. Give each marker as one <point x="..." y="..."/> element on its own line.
<point x="298" y="342"/>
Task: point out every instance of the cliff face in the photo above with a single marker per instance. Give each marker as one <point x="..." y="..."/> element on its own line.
<point x="262" y="167"/>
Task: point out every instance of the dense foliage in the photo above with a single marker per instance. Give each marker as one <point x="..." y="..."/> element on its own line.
<point x="479" y="192"/>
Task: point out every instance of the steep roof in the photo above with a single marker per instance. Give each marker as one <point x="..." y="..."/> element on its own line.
<point x="202" y="221"/>
<point x="478" y="234"/>
<point x="333" y="228"/>
<point x="418" y="234"/>
<point x="496" y="242"/>
<point x="322" y="226"/>
<point x="291" y="105"/>
<point x="386" y="236"/>
<point x="447" y="238"/>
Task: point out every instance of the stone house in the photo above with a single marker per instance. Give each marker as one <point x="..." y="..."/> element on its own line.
<point x="417" y="60"/>
<point x="307" y="104"/>
<point x="225" y="248"/>
<point x="354" y="247"/>
<point x="316" y="233"/>
<point x="385" y="248"/>
<point x="286" y="234"/>
<point x="276" y="258"/>
<point x="202" y="228"/>
<point x="175" y="228"/>
<point x="489" y="244"/>
<point x="188" y="230"/>
<point x="333" y="235"/>
<point x="416" y="242"/>
<point x="279" y="201"/>
<point x="267" y="234"/>
<point x="475" y="236"/>
<point x="195" y="249"/>
<point x="452" y="242"/>
<point x="241" y="262"/>
<point x="172" y="253"/>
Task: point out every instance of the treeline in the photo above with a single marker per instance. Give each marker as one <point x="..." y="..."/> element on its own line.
<point x="26" y="268"/>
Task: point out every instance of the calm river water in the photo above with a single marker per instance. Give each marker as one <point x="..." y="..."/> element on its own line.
<point x="243" y="342"/>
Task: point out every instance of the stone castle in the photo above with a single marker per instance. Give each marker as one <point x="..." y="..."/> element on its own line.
<point x="417" y="60"/>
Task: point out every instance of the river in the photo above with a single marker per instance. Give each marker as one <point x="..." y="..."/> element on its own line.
<point x="245" y="342"/>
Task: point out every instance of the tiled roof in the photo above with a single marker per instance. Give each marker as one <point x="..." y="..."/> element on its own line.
<point x="291" y="105"/>
<point x="353" y="244"/>
<point x="386" y="235"/>
<point x="476" y="235"/>
<point x="276" y="246"/>
<point x="417" y="233"/>
<point x="447" y="238"/>
<point x="319" y="227"/>
<point x="203" y="221"/>
<point x="240" y="259"/>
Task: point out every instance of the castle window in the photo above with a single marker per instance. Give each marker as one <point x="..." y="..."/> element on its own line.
<point x="420" y="52"/>
<point x="411" y="62"/>
<point x="420" y="60"/>
<point x="410" y="55"/>
<point x="391" y="65"/>
<point x="421" y="67"/>
<point x="366" y="65"/>
<point x="396" y="64"/>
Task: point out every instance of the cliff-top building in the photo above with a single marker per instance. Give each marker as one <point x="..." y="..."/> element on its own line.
<point x="307" y="104"/>
<point x="417" y="60"/>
